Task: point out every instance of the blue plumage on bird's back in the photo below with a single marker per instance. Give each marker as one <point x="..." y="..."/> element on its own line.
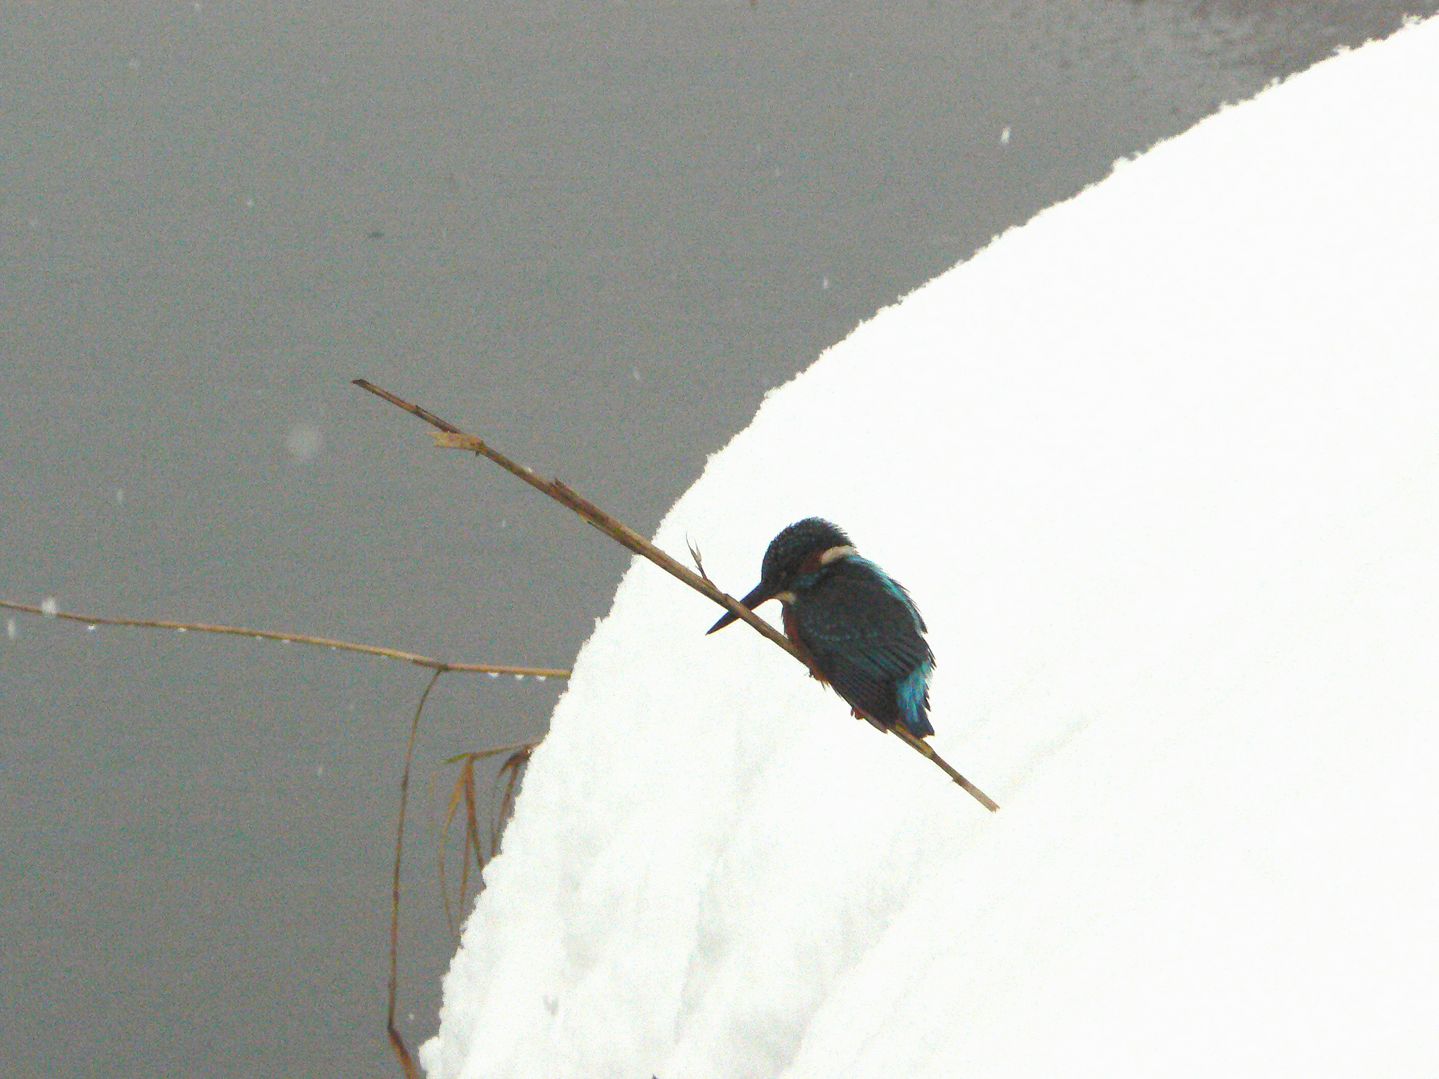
<point x="894" y="588"/>
<point x="913" y="694"/>
<point x="908" y="695"/>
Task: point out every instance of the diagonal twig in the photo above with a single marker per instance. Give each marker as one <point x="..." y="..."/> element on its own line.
<point x="452" y="437"/>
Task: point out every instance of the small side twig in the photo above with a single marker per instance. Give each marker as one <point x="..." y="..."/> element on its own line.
<point x="452" y="437"/>
<point x="697" y="559"/>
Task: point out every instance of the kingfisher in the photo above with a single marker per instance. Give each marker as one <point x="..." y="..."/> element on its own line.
<point x="854" y="625"/>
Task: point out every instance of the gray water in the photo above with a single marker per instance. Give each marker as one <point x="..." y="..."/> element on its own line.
<point x="595" y="234"/>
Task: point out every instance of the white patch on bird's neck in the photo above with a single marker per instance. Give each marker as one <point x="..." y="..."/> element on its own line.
<point x="834" y="554"/>
<point x="784" y="597"/>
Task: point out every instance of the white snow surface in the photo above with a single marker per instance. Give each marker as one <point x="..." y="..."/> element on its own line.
<point x="1162" y="470"/>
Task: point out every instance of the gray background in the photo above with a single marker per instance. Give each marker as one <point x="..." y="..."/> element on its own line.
<point x="607" y="229"/>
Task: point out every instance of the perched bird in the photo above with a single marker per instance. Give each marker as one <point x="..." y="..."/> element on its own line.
<point x="855" y="626"/>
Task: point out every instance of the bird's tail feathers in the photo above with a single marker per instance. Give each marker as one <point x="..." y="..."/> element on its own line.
<point x="913" y="694"/>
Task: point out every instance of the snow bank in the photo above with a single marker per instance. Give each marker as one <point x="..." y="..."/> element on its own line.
<point x="1162" y="470"/>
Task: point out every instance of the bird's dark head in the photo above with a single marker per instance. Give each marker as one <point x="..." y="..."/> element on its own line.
<point x="801" y="548"/>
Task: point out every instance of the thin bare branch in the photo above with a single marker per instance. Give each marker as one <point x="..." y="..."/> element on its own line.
<point x="457" y="791"/>
<point x="296" y="638"/>
<point x="920" y="746"/>
<point x="464" y="790"/>
<point x="451" y="437"/>
<point x="512" y="768"/>
<point x="472" y="833"/>
<point x="397" y="1041"/>
<point x="494" y="751"/>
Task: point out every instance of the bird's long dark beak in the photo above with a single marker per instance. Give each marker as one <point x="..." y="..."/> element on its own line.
<point x="757" y="595"/>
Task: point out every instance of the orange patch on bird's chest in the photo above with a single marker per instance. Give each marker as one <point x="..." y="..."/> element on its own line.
<point x="791" y="630"/>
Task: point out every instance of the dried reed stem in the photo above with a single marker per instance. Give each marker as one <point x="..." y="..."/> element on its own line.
<point x="297" y="638"/>
<point x="452" y="437"/>
<point x="397" y="1041"/>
